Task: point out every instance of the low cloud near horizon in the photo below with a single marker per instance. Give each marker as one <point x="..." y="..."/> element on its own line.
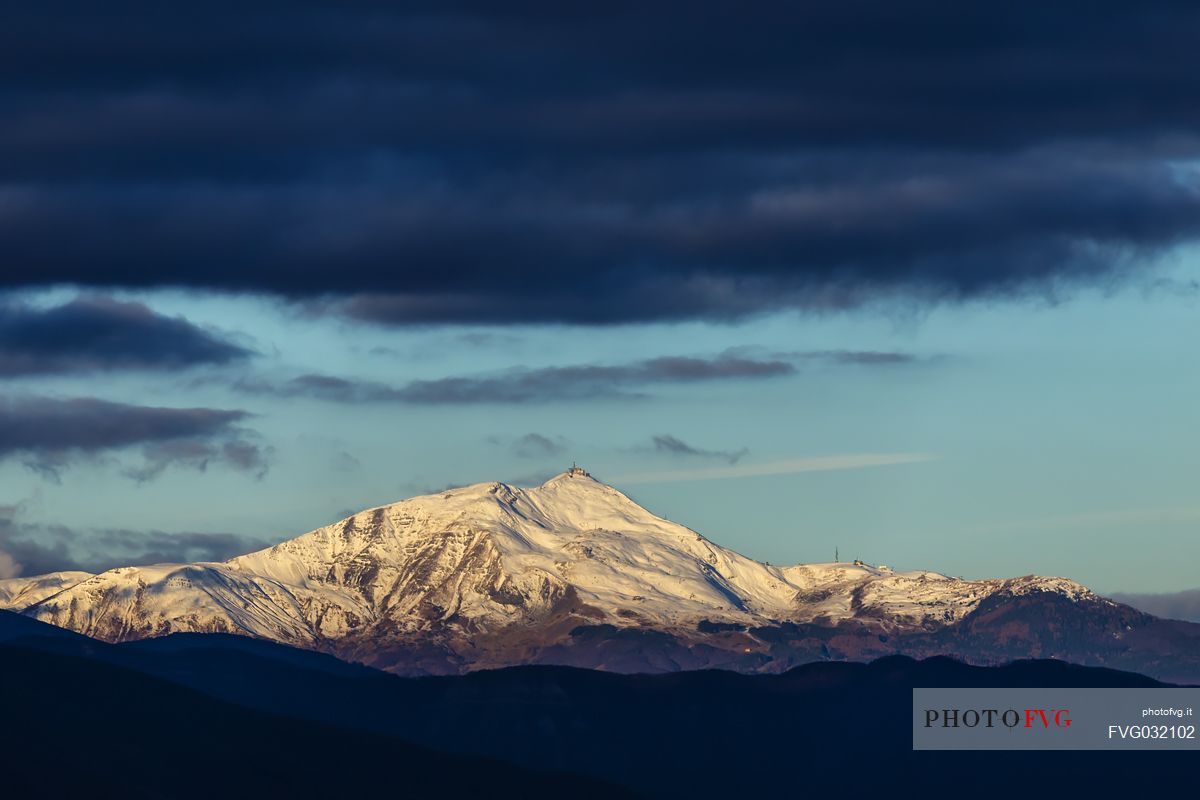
<point x="30" y="548"/>
<point x="1183" y="605"/>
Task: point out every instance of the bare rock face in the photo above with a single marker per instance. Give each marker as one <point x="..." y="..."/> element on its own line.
<point x="574" y="572"/>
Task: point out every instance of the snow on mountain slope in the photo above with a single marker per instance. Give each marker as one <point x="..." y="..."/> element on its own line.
<point x="136" y="602"/>
<point x="496" y="553"/>
<point x="23" y="592"/>
<point x="470" y="567"/>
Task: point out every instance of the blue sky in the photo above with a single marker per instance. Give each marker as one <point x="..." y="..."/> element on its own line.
<point x="264" y="264"/>
<point x="1032" y="435"/>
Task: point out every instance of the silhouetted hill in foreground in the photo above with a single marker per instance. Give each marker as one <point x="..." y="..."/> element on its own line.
<point x="824" y="727"/>
<point x="76" y="726"/>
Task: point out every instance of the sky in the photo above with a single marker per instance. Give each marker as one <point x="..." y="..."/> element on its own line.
<point x="916" y="283"/>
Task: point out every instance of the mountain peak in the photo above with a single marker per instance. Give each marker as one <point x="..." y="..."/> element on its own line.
<point x="575" y="472"/>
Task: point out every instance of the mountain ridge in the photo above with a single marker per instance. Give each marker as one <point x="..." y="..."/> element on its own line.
<point x="492" y="575"/>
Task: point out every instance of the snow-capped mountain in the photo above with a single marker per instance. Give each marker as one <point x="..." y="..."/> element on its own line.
<point x="572" y="571"/>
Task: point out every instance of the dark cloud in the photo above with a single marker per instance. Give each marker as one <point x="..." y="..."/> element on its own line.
<point x="98" y="333"/>
<point x="434" y="348"/>
<point x="528" y="162"/>
<point x="588" y="381"/>
<point x="535" y="445"/>
<point x="35" y="549"/>
<point x="487" y="339"/>
<point x="1183" y="605"/>
<point x="47" y="434"/>
<point x="545" y="384"/>
<point x="575" y="382"/>
<point x="671" y="445"/>
<point x="866" y="357"/>
<point x="321" y="387"/>
<point x="198" y="453"/>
